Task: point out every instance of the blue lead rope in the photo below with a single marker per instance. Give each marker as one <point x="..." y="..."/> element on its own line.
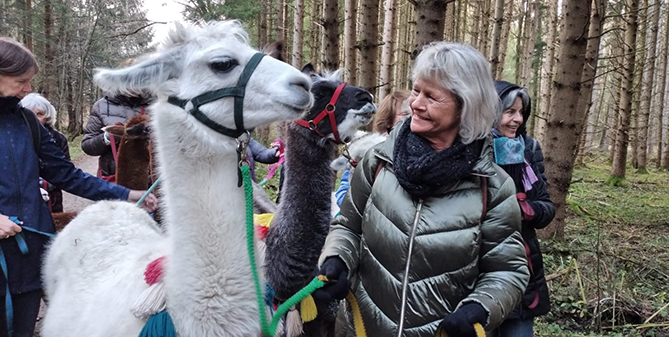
<point x="20" y="240"/>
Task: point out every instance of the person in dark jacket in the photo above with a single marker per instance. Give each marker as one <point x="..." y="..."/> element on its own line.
<point x="46" y="114"/>
<point x="107" y="111"/>
<point x="258" y="153"/>
<point x="521" y="157"/>
<point x="23" y="162"/>
<point x="428" y="234"/>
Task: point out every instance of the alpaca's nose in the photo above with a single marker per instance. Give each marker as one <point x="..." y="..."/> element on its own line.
<point x="303" y="82"/>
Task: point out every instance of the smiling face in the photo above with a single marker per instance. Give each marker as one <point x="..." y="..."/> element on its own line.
<point x="435" y="115"/>
<point x="511" y="119"/>
<point x="16" y="86"/>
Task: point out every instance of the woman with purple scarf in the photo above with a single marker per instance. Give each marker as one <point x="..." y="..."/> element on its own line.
<point x="521" y="157"/>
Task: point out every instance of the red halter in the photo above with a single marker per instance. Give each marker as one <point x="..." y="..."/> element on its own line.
<point x="329" y="112"/>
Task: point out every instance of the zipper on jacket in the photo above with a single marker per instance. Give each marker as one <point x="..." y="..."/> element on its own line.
<point x="405" y="282"/>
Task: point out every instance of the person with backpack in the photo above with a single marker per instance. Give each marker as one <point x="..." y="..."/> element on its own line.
<point x="521" y="157"/>
<point x="27" y="152"/>
<point x="46" y="114"/>
<point x="109" y="110"/>
<point x="428" y="238"/>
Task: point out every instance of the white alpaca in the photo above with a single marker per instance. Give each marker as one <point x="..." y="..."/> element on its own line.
<point x="93" y="271"/>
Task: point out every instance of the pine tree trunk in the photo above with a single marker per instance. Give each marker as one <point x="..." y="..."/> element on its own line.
<point x="387" y="49"/>
<point x="496" y="36"/>
<point x="591" y="61"/>
<point x="519" y="42"/>
<point x="646" y="93"/>
<point x="48" y="69"/>
<point x="369" y="44"/>
<point x="280" y="21"/>
<point x="662" y="157"/>
<point x="350" y="51"/>
<point x="476" y="24"/>
<point x="449" y="29"/>
<point x="637" y="84"/>
<point x="529" y="36"/>
<point x="485" y="28"/>
<point x="561" y="140"/>
<point x="315" y="26"/>
<point x="430" y="17"/>
<point x="262" y="23"/>
<point x="547" y="71"/>
<point x="504" y="37"/>
<point x="27" y="24"/>
<point x="330" y="35"/>
<point x="298" y="27"/>
<point x="622" y="137"/>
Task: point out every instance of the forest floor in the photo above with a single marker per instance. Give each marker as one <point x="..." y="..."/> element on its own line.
<point x="624" y="231"/>
<point x="629" y="227"/>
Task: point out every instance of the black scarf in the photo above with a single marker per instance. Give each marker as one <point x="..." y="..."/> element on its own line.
<point x="422" y="171"/>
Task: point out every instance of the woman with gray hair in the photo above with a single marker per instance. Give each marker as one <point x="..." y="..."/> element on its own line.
<point x="428" y="236"/>
<point x="46" y="114"/>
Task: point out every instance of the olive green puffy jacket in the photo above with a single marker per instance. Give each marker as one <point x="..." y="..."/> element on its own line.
<point x="437" y="248"/>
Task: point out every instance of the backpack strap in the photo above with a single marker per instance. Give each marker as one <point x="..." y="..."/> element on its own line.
<point x="34" y="128"/>
<point x="484" y="197"/>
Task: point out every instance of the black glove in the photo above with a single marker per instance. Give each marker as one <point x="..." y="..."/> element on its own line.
<point x="461" y="322"/>
<point x="338" y="283"/>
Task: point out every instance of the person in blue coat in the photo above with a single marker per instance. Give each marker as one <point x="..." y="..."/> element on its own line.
<point x="27" y="152"/>
<point x="521" y="157"/>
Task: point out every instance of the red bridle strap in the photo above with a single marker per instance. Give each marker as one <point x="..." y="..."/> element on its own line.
<point x="329" y="111"/>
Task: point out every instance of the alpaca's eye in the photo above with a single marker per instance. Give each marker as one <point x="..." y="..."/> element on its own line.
<point x="224" y="65"/>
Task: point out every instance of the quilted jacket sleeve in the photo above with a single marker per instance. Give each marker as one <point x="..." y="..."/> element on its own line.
<point x="93" y="143"/>
<point x="344" y="238"/>
<point x="502" y="261"/>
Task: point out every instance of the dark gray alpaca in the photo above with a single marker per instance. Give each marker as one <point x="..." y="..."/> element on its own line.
<point x="302" y="221"/>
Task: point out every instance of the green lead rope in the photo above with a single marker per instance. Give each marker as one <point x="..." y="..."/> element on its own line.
<point x="268" y="330"/>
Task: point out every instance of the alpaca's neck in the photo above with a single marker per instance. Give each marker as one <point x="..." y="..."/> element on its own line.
<point x="208" y="277"/>
<point x="302" y="222"/>
<point x="132" y="165"/>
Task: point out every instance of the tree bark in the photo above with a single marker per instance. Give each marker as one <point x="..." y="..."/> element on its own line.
<point x="298" y="27"/>
<point x="430" y="17"/>
<point x="622" y="137"/>
<point x="315" y="27"/>
<point x="280" y="21"/>
<point x="547" y="71"/>
<point x="387" y="49"/>
<point x="350" y="49"/>
<point x="48" y="69"/>
<point x="449" y="29"/>
<point x="637" y="83"/>
<point x="369" y="44"/>
<point x="662" y="154"/>
<point x="330" y="35"/>
<point x="529" y="37"/>
<point x="646" y="93"/>
<point x="563" y="127"/>
<point x="496" y="36"/>
<point x="504" y="38"/>
<point x="591" y="61"/>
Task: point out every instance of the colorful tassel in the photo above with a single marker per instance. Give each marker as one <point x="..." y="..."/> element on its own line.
<point x="293" y="323"/>
<point x="150" y="302"/>
<point x="159" y="325"/>
<point x="308" y="310"/>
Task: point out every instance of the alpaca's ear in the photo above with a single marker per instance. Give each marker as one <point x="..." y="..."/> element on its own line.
<point x="339" y="164"/>
<point x="275" y="50"/>
<point x="147" y="75"/>
<point x="116" y="130"/>
<point x="309" y="70"/>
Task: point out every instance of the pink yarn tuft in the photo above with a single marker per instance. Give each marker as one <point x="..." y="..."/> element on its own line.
<point x="154" y="271"/>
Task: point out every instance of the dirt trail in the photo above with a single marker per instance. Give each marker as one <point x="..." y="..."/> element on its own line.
<point x="71" y="202"/>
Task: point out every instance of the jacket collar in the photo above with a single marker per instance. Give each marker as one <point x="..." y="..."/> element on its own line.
<point x="484" y="165"/>
<point x="9" y="104"/>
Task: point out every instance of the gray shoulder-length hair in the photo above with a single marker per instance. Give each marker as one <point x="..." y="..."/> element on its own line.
<point x="34" y="101"/>
<point x="463" y="71"/>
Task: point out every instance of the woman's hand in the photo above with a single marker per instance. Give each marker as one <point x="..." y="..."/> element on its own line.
<point x="149" y="204"/>
<point x="338" y="284"/>
<point x="8" y="227"/>
<point x="461" y="322"/>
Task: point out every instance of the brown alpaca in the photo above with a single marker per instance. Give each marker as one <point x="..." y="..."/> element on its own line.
<point x="134" y="152"/>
